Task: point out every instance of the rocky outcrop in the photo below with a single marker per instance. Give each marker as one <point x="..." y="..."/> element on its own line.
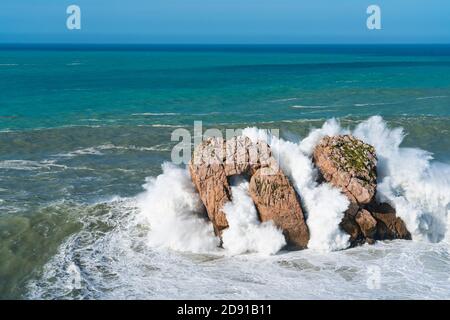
<point x="343" y="161"/>
<point x="389" y="226"/>
<point x="208" y="175"/>
<point x="275" y="199"/>
<point x="215" y="160"/>
<point x="350" y="165"/>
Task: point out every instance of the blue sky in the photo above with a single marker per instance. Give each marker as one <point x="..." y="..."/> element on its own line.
<point x="225" y="21"/>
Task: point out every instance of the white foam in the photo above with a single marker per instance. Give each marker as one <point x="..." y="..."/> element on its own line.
<point x="156" y="114"/>
<point x="172" y="209"/>
<point x="81" y="152"/>
<point x="97" y="151"/>
<point x="308" y="107"/>
<point x="161" y="126"/>
<point x="431" y="97"/>
<point x="324" y="205"/>
<point x="418" y="188"/>
<point x="29" y="165"/>
<point x="285" y="99"/>
<point x="74" y="272"/>
<point x="373" y="104"/>
<point x="145" y="254"/>
<point x="246" y="233"/>
<point x="115" y="265"/>
<point x="159" y="147"/>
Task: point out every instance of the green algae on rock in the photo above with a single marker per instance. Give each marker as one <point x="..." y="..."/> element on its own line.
<point x="350" y="164"/>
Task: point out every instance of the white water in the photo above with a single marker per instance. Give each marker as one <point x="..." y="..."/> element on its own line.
<point x="245" y="233"/>
<point x="162" y="247"/>
<point x="418" y="188"/>
<point x="324" y="205"/>
<point x="171" y="208"/>
<point x="407" y="178"/>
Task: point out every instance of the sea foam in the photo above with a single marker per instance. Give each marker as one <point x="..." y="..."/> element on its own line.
<point x="172" y="209"/>
<point x="160" y="245"/>
<point x="408" y="179"/>
<point x="246" y="233"/>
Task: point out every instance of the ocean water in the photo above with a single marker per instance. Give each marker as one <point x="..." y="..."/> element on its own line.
<point x="90" y="206"/>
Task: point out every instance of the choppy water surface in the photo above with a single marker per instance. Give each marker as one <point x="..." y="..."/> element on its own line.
<point x="81" y="131"/>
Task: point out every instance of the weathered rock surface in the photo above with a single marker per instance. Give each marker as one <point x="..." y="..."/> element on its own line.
<point x="215" y="160"/>
<point x="344" y="161"/>
<point x="389" y="225"/>
<point x="350" y="165"/>
<point x="351" y="227"/>
<point x="208" y="175"/>
<point x="243" y="157"/>
<point x="275" y="199"/>
<point x="367" y="224"/>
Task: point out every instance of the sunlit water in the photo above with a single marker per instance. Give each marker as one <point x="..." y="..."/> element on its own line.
<point x="82" y="130"/>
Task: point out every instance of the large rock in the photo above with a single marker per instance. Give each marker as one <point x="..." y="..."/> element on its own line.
<point x="208" y="175"/>
<point x="349" y="164"/>
<point x="276" y="200"/>
<point x="389" y="226"/>
<point x="215" y="160"/>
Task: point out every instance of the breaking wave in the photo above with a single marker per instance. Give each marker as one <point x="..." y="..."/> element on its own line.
<point x="172" y="209"/>
<point x="160" y="244"/>
<point x="245" y="233"/>
<point x="98" y="150"/>
<point x="416" y="186"/>
<point x="29" y="165"/>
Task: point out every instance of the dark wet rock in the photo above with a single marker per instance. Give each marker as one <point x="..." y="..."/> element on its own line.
<point x="389" y="226"/>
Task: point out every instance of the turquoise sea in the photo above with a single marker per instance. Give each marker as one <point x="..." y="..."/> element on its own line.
<point x="81" y="128"/>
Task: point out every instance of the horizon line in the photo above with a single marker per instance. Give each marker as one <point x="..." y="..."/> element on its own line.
<point x="118" y="44"/>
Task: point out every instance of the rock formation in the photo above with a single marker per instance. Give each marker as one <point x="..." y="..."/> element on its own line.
<point x="389" y="225"/>
<point x="350" y="165"/>
<point x="275" y="199"/>
<point x="343" y="161"/>
<point x="208" y="175"/>
<point x="215" y="160"/>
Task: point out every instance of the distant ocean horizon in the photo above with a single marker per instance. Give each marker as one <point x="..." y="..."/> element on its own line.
<point x="86" y="128"/>
<point x="301" y="47"/>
